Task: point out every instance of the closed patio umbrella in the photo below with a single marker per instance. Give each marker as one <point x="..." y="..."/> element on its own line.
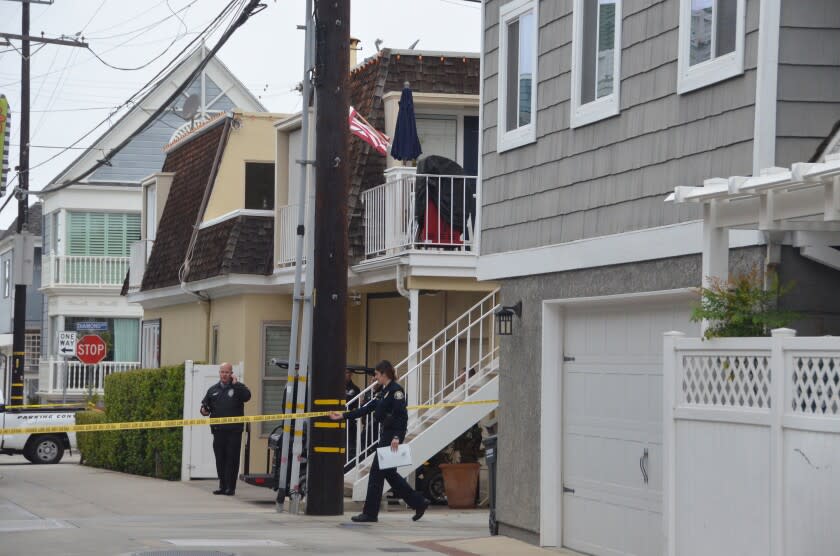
<point x="406" y="144"/>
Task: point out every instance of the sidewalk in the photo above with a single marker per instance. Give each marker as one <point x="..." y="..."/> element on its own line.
<point x="72" y="509"/>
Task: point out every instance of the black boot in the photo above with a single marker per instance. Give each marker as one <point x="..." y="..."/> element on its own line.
<point x="363" y="518"/>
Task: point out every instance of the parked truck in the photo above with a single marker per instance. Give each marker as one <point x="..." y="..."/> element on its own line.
<point x="37" y="448"/>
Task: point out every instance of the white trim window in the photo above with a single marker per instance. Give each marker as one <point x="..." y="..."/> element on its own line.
<point x="7" y="277"/>
<point x="711" y="42"/>
<point x="596" y="68"/>
<point x="518" y="46"/>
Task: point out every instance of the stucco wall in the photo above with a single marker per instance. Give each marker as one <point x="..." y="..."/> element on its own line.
<point x="254" y="141"/>
<point x="518" y="495"/>
<point x="183" y="331"/>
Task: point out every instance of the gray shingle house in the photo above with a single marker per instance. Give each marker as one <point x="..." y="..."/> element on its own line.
<point x="593" y="111"/>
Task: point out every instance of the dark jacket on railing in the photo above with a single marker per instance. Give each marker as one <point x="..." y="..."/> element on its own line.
<point x="389" y="410"/>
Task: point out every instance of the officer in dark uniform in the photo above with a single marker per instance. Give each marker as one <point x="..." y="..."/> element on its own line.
<point x="226" y="398"/>
<point x="389" y="411"/>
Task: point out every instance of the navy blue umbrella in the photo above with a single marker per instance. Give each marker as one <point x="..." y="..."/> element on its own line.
<point x="406" y="144"/>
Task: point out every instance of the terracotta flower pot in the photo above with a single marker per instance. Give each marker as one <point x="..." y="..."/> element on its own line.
<point x="461" y="483"/>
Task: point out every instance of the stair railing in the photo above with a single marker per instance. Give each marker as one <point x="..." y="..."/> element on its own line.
<point x="443" y="369"/>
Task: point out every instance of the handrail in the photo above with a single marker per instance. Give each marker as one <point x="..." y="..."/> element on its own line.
<point x="434" y="370"/>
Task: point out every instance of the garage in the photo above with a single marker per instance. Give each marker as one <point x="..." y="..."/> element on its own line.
<point x="609" y="354"/>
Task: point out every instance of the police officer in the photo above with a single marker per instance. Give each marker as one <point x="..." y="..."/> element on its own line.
<point x="389" y="410"/>
<point x="226" y="398"/>
<point x="350" y="392"/>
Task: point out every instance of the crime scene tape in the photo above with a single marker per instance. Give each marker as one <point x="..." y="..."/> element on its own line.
<point x="171" y="423"/>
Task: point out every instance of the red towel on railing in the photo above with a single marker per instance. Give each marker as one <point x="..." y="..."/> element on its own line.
<point x="435" y="229"/>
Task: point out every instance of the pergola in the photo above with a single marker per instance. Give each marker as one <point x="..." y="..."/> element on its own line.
<point x="803" y="200"/>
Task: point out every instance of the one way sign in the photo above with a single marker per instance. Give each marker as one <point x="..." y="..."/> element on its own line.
<point x="67" y="343"/>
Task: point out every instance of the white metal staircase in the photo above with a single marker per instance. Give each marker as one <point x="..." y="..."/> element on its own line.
<point x="458" y="364"/>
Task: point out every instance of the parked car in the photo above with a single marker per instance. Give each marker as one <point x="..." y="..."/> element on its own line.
<point x="37" y="448"/>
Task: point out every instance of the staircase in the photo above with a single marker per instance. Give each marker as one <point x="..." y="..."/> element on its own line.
<point x="458" y="364"/>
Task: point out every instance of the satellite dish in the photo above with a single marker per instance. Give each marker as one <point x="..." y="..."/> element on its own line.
<point x="190" y="107"/>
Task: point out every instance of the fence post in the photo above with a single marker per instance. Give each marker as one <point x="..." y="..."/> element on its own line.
<point x="186" y="445"/>
<point x="670" y="365"/>
<point x="777" y="449"/>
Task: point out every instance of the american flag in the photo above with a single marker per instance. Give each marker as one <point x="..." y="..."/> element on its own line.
<point x="367" y="133"/>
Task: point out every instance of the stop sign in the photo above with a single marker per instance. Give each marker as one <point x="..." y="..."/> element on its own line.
<point x="91" y="349"/>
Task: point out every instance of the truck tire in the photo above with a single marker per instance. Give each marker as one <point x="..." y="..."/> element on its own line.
<point x="44" y="449"/>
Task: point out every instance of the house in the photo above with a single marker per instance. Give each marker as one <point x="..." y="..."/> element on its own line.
<point x="90" y="224"/>
<point x="592" y="113"/>
<point x="34" y="303"/>
<point x="224" y="290"/>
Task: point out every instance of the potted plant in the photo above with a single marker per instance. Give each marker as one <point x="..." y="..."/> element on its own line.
<point x="460" y="473"/>
<point x="742" y="306"/>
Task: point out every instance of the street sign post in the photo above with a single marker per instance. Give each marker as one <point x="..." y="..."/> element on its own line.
<point x="67" y="343"/>
<point x="91" y="349"/>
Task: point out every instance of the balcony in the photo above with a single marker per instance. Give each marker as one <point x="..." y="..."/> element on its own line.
<point x="74" y="378"/>
<point x="84" y="271"/>
<point x="421" y="213"/>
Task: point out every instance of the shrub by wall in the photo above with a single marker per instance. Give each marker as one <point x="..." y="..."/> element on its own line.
<point x="141" y="395"/>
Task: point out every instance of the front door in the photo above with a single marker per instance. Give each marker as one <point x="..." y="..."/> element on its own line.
<point x="612" y="425"/>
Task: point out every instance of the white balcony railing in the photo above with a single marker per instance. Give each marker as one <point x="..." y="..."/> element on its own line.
<point x="139" y="256"/>
<point x="287" y="221"/>
<point x="86" y="271"/>
<point x="74" y="377"/>
<point x="421" y="211"/>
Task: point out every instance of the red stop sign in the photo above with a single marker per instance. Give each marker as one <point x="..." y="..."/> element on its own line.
<point x="91" y="349"/>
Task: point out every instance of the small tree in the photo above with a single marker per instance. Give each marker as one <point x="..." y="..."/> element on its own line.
<point x="741" y="306"/>
<point x="467" y="448"/>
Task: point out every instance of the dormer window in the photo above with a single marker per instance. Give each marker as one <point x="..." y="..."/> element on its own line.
<point x="259" y="185"/>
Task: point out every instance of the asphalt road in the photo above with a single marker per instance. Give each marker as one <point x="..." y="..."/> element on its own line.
<point x="71" y="509"/>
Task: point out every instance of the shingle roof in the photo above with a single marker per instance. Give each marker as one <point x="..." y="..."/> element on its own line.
<point x="241" y="245"/>
<point x="34" y="221"/>
<point x="369" y="82"/>
<point x="193" y="165"/>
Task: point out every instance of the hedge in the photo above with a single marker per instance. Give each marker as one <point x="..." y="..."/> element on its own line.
<point x="141" y="395"/>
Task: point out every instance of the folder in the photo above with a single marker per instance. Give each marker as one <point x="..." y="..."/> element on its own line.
<point x="388" y="458"/>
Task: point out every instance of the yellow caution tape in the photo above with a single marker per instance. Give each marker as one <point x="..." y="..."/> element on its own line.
<point x="171" y="423"/>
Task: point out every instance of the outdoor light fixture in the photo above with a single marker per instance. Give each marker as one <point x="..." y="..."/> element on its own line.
<point x="504" y="318"/>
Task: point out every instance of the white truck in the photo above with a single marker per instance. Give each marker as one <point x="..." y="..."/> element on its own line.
<point x="37" y="448"/>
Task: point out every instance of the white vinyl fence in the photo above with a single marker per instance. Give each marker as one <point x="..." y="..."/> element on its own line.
<point x="752" y="445"/>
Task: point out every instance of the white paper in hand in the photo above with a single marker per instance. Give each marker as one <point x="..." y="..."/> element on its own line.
<point x="388" y="458"/>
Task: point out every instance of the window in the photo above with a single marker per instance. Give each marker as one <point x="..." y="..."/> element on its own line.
<point x="276" y="338"/>
<point x="711" y="42"/>
<point x="150" y="353"/>
<point x="121" y="336"/>
<point x="259" y="185"/>
<point x="517" y="74"/>
<point x="596" y="53"/>
<point x="102" y="234"/>
<point x="32" y="350"/>
<point x="7" y="277"/>
<point x="214" y="346"/>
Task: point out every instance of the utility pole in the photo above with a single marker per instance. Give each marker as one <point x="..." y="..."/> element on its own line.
<point x="325" y="494"/>
<point x="19" y="336"/>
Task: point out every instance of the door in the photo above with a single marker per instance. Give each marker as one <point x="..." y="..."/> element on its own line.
<point x="197" y="453"/>
<point x="150" y="344"/>
<point x="612" y="425"/>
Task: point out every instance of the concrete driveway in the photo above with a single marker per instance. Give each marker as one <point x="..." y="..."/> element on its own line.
<point x="72" y="509"/>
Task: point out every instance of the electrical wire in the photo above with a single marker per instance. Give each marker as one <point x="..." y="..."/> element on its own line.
<point x="142" y="91"/>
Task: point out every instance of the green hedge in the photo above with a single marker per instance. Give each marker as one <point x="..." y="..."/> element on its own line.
<point x="141" y="395"/>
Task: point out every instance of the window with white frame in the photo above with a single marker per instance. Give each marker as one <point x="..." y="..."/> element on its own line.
<point x="276" y="340"/>
<point x="7" y="277"/>
<point x="517" y="74"/>
<point x="596" y="69"/>
<point x="711" y="42"/>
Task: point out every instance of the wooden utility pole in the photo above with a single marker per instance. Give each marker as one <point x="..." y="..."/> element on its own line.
<point x="325" y="486"/>
<point x="19" y="332"/>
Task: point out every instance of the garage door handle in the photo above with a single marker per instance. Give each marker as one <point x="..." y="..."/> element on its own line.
<point x="643" y="465"/>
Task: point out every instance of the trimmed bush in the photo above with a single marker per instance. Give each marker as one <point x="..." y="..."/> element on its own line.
<point x="141" y="395"/>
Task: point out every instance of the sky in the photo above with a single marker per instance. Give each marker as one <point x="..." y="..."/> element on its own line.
<point x="72" y="91"/>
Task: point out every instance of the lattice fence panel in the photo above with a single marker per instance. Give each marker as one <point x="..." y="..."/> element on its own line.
<point x="717" y="380"/>
<point x="816" y="385"/>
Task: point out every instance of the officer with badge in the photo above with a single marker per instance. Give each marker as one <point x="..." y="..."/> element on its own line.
<point x="226" y="398"/>
<point x="389" y="411"/>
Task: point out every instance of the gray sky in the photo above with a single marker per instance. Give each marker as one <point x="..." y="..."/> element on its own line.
<point x="71" y="90"/>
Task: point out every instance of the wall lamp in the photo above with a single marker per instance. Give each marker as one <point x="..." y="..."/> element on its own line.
<point x="504" y="318"/>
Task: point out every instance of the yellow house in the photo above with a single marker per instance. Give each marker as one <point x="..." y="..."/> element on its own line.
<point x="215" y="269"/>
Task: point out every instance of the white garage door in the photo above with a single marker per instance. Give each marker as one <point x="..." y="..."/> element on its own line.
<point x="612" y="425"/>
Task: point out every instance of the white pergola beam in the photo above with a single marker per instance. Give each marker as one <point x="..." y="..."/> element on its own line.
<point x="715" y="247"/>
<point x="823" y="255"/>
<point x="831" y="210"/>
